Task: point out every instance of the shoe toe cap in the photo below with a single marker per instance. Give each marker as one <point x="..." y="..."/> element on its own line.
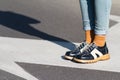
<point x="84" y="57"/>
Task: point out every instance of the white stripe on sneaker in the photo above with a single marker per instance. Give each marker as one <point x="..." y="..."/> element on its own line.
<point x="95" y="52"/>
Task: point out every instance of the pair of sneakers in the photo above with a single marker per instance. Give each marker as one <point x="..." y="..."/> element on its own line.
<point x="88" y="53"/>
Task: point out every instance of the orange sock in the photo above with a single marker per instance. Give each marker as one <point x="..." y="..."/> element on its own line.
<point x="99" y="40"/>
<point x="89" y="36"/>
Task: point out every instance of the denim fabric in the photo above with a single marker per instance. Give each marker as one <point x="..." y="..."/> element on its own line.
<point x="95" y="15"/>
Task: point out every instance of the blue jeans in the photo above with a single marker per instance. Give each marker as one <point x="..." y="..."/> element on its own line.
<point x="95" y="15"/>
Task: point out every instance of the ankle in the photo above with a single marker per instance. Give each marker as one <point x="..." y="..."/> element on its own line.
<point x="100" y="40"/>
<point x="89" y="36"/>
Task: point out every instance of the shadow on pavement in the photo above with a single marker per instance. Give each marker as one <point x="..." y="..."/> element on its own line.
<point x="22" y="23"/>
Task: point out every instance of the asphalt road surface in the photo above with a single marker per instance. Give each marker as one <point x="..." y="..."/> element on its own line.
<point x="52" y="20"/>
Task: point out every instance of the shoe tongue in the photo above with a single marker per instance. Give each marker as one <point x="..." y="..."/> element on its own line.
<point x="85" y="43"/>
<point x="82" y="45"/>
<point x="93" y="45"/>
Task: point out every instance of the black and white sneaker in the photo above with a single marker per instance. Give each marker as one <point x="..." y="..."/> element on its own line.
<point x="93" y="54"/>
<point x="70" y="54"/>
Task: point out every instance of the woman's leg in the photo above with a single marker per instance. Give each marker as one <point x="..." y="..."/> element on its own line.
<point x="102" y="13"/>
<point x="88" y="12"/>
<point x="87" y="9"/>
